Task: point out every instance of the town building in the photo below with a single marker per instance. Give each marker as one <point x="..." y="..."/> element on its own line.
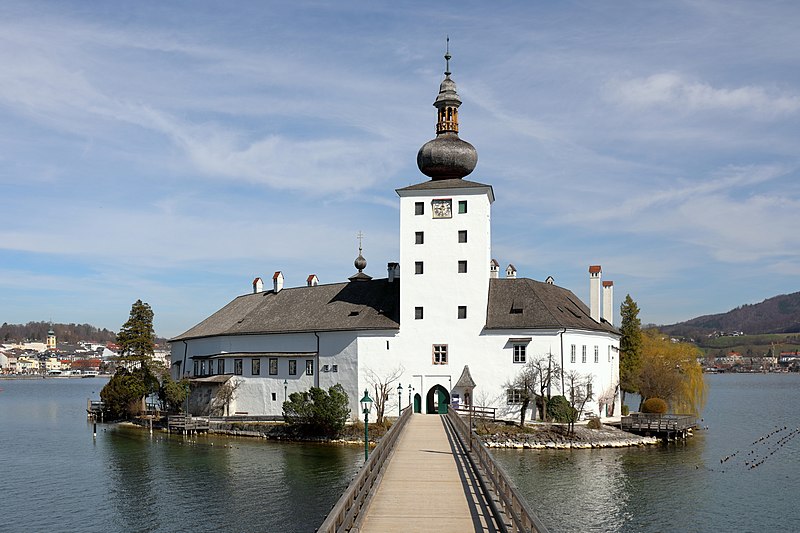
<point x="443" y="323"/>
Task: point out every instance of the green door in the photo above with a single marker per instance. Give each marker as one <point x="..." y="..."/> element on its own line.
<point x="417" y="403"/>
<point x="442" y="402"/>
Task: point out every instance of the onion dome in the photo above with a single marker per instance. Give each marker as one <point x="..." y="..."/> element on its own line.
<point x="447" y="156"/>
<point x="360" y="263"/>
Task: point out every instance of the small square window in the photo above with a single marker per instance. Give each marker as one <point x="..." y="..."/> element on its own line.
<point x="274" y="397"/>
<point x="417" y="313"/>
<point x="419" y="208"/>
<point x="513" y="396"/>
<point x="439" y="354"/>
<point x="462" y="235"/>
<point x="292" y="367"/>
<point x="419" y="237"/>
<point x="462" y="267"/>
<point x="326" y="368"/>
<point x="273" y="366"/>
<point x="462" y="311"/>
<point x="334" y="368"/>
<point x="462" y="207"/>
<point x="255" y="367"/>
<point x="309" y="367"/>
<point x="418" y="267"/>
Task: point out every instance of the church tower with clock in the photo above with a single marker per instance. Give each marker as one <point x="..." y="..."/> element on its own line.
<point x="445" y="244"/>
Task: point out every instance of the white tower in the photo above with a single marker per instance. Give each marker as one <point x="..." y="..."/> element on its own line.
<point x="445" y="240"/>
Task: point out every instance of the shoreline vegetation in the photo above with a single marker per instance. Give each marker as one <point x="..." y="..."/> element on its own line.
<point x="539" y="435"/>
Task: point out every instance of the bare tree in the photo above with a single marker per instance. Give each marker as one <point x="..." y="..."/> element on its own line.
<point x="546" y="369"/>
<point x="579" y="387"/>
<point x="607" y="397"/>
<point x="522" y="389"/>
<point x="382" y="386"/>
<point x="224" y="396"/>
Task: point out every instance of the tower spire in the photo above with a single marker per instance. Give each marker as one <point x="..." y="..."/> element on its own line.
<point x="447" y="156"/>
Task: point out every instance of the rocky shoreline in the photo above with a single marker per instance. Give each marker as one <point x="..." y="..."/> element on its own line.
<point x="555" y="436"/>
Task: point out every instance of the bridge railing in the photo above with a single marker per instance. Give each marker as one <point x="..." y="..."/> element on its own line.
<point x="513" y="504"/>
<point x="345" y="512"/>
<point x="657" y="422"/>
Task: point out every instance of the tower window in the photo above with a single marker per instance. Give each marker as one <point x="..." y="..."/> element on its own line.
<point x="419" y="208"/>
<point x="462" y="311"/>
<point x="583" y="354"/>
<point x="418" y="267"/>
<point x="419" y="237"/>
<point x="255" y="367"/>
<point x="596" y="354"/>
<point x="572" y="353"/>
<point x="462" y="267"/>
<point x="462" y="235"/>
<point x="309" y="367"/>
<point x="439" y="354"/>
<point x="417" y="313"/>
<point x="273" y="366"/>
<point x="462" y="207"/>
<point x="292" y="367"/>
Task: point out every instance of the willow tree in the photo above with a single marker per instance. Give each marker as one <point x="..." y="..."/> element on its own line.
<point x="630" y="347"/>
<point x="670" y="371"/>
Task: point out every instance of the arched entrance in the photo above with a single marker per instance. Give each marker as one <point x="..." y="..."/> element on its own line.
<point x="417" y="403"/>
<point x="437" y="400"/>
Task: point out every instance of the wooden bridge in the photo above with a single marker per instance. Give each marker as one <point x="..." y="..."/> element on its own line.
<point x="430" y="473"/>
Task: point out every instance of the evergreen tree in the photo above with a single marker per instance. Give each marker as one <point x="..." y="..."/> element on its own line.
<point x="630" y="347"/>
<point x="137" y="339"/>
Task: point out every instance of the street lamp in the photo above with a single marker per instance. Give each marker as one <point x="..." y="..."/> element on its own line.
<point x="285" y="387"/>
<point x="410" y="388"/>
<point x="366" y="405"/>
<point x="400" y="399"/>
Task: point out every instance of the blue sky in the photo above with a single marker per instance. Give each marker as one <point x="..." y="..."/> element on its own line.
<point x="172" y="151"/>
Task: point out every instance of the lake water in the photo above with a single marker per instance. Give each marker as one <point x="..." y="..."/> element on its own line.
<point x="682" y="486"/>
<point x="56" y="477"/>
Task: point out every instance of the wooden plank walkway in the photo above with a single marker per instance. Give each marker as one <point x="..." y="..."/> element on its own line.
<point x="428" y="485"/>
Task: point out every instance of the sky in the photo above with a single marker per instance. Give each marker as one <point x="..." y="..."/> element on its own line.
<point x="173" y="151"/>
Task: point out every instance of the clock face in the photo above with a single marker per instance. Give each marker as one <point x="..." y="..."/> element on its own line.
<point x="442" y="208"/>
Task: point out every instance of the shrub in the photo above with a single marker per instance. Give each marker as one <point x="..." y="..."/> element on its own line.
<point x="559" y="409"/>
<point x="316" y="412"/>
<point x="594" y="423"/>
<point x="625" y="410"/>
<point x="654" y="405"/>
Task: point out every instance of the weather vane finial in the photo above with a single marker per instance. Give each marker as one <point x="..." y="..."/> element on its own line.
<point x="359" y="236"/>
<point x="447" y="57"/>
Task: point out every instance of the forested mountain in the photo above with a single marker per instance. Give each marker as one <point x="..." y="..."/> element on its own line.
<point x="70" y="333"/>
<point x="780" y="314"/>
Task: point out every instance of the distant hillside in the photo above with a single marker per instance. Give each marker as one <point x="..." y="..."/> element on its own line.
<point x="69" y="333"/>
<point x="780" y="314"/>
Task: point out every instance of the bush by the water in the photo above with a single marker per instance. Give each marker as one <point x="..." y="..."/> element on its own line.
<point x="625" y="410"/>
<point x="317" y="412"/>
<point x="594" y="423"/>
<point x="559" y="409"/>
<point x="654" y="405"/>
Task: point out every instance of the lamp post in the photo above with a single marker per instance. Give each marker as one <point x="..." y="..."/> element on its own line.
<point x="366" y="405"/>
<point x="399" y="399"/>
<point x="410" y="388"/>
<point x="285" y="387"/>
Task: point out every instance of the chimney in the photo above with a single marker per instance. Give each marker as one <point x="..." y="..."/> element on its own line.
<point x="258" y="286"/>
<point x="608" y="302"/>
<point x="595" y="271"/>
<point x="312" y="280"/>
<point x="277" y="282"/>
<point x="393" y="271"/>
<point x="494" y="269"/>
<point x="511" y="272"/>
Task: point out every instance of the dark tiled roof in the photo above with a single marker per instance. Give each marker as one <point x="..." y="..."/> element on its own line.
<point x="527" y="304"/>
<point x="455" y="183"/>
<point x="358" y="305"/>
